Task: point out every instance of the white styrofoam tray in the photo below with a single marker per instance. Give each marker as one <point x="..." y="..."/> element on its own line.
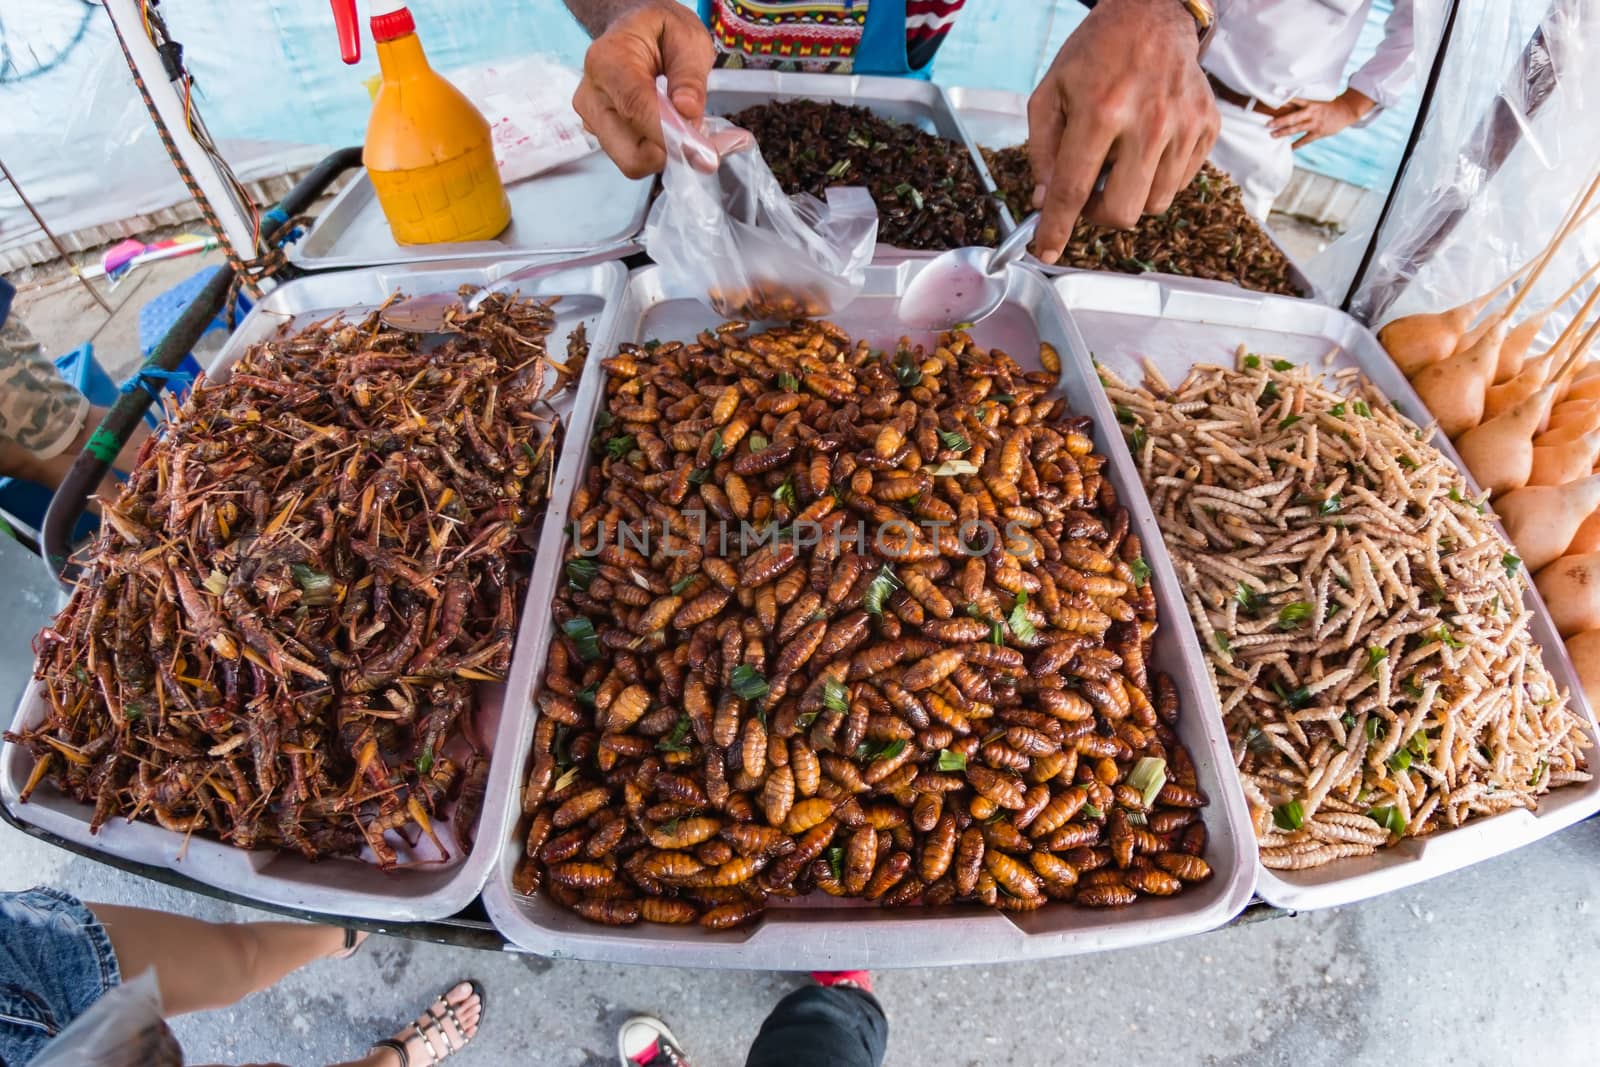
<point x="345" y="886"/>
<point x="1176" y="323"/>
<point x="819" y="932"/>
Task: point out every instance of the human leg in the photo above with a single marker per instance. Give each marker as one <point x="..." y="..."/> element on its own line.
<point x="838" y="1025"/>
<point x="202" y="965"/>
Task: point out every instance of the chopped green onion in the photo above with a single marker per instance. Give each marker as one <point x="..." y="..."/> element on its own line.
<point x="581" y="630"/>
<point x="951" y="761"/>
<point x="857" y="138"/>
<point x="1246" y="598"/>
<point x="1348" y="720"/>
<point x="699" y="475"/>
<point x="1510" y="562"/>
<point x="1375" y="656"/>
<point x="675" y="741"/>
<point x="568" y="776"/>
<point x="1400" y="761"/>
<point x="1282" y="365"/>
<point x="997" y="632"/>
<point x="955" y="442"/>
<point x="788" y="382"/>
<point x="1389" y="818"/>
<point x="1360" y="408"/>
<point x="425" y="760"/>
<point x="1293" y="615"/>
<point x="878" y="590"/>
<point x="1330" y="505"/>
<point x="618" y="447"/>
<point x="1224" y="646"/>
<point x="1141" y="572"/>
<point x="838" y="169"/>
<point x="716" y="445"/>
<point x="1289" y="817"/>
<point x="889" y="751"/>
<point x="836" y="862"/>
<point x="748" y="683"/>
<point x="1442" y="634"/>
<point x="586" y="695"/>
<point x="784" y="494"/>
<point x="835" y="696"/>
<point x="1092" y="812"/>
<point x="1125" y="414"/>
<point x="1019" y="622"/>
<point x="1257" y="741"/>
<point x="580" y="572"/>
<point x="1288" y="421"/>
<point x="1138" y="437"/>
<point x="1337" y="411"/>
<point x="683" y="583"/>
<point x="1252" y="361"/>
<point x="1148" y="776"/>
<point x="1406" y="461"/>
<point x="1269" y="394"/>
<point x="758" y="442"/>
<point x="1375" y="728"/>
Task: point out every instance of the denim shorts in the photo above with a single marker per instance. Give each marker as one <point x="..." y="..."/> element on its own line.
<point x="55" y="961"/>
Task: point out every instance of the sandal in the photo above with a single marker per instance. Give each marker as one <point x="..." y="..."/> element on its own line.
<point x="353" y="940"/>
<point x="433" y="1036"/>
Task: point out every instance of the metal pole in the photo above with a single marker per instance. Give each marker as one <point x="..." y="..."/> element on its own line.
<point x="60" y="250"/>
<point x="129" y="24"/>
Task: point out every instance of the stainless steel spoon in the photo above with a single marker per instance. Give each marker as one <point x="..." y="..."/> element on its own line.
<point x="426" y="313"/>
<point x="964" y="285"/>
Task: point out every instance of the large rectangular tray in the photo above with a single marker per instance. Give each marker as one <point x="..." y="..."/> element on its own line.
<point x="995" y="118"/>
<point x="819" y="932"/>
<point x="582" y="206"/>
<point x="1176" y="323"/>
<point x="349" y="887"/>
<point x="917" y="103"/>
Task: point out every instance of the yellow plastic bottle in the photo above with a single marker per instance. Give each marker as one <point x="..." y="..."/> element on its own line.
<point x="428" y="150"/>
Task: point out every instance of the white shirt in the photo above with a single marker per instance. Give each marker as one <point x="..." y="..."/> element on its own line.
<point x="1275" y="50"/>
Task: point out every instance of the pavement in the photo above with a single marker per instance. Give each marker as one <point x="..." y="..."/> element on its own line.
<point x="1497" y="964"/>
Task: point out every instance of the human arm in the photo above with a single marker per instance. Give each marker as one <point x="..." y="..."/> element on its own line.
<point x="1377" y="84"/>
<point x="1125" y="89"/>
<point x="636" y="40"/>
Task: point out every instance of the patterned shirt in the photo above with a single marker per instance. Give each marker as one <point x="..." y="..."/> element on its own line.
<point x="818" y="36"/>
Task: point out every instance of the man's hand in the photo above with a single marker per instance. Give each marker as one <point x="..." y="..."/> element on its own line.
<point x="617" y="97"/>
<point x="1316" y="119"/>
<point x="1125" y="89"/>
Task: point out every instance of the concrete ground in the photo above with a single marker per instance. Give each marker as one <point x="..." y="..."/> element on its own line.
<point x="1498" y="964"/>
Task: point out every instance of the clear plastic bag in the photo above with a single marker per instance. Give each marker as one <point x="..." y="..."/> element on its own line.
<point x="725" y="233"/>
<point x="122" y="1029"/>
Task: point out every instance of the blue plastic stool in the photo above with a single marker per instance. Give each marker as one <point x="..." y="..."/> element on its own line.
<point x="158" y="316"/>
<point x="26" y="502"/>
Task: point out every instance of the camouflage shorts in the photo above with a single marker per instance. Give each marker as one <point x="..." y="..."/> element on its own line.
<point x="38" y="410"/>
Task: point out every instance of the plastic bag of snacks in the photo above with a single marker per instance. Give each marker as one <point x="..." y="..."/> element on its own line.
<point x="725" y="233"/>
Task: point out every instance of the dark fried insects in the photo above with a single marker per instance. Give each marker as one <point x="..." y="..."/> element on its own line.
<point x="282" y="625"/>
<point x="1206" y="233"/>
<point x="927" y="188"/>
<point x="955" y="717"/>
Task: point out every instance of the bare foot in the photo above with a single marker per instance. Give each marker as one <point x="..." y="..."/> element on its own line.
<point x="445" y="1028"/>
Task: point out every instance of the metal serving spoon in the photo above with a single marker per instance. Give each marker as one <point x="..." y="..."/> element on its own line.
<point x="426" y="313"/>
<point x="964" y="285"/>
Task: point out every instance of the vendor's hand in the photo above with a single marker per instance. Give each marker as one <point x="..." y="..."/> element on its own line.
<point x="1126" y="88"/>
<point x="1313" y="120"/>
<point x="617" y="97"/>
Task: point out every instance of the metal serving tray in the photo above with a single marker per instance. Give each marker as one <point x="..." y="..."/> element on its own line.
<point x="995" y="118"/>
<point x="916" y="103"/>
<point x="819" y="932"/>
<point x="1176" y="323"/>
<point x="347" y="886"/>
<point x="581" y="206"/>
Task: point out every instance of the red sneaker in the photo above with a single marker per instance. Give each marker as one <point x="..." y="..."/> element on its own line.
<point x="645" y="1041"/>
<point x="861" y="980"/>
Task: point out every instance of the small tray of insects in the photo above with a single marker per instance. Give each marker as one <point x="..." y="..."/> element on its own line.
<point x="1398" y="701"/>
<point x="860" y="657"/>
<point x="1206" y="233"/>
<point x="898" y="137"/>
<point x="294" y="668"/>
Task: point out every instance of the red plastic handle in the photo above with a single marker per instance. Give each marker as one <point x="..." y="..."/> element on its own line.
<point x="344" y="20"/>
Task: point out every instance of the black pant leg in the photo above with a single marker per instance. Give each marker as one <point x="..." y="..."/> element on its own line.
<point x="815" y="1027"/>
